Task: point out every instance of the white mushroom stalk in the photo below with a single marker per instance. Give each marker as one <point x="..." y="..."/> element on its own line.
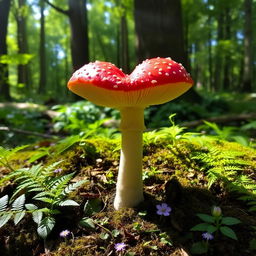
<point x="153" y="82"/>
<point x="129" y="188"/>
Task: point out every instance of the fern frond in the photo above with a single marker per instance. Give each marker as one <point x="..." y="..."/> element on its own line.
<point x="18" y="204"/>
<point x="57" y="184"/>
<point x="3" y="203"/>
<point x="72" y="187"/>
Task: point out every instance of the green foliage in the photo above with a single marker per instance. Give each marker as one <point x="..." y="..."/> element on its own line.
<point x="82" y="116"/>
<point x="7" y="154"/>
<point x="27" y="119"/>
<point x="16" y="59"/>
<point x="157" y="116"/>
<point x="40" y="184"/>
<point x="227" y="166"/>
<point x="217" y="222"/>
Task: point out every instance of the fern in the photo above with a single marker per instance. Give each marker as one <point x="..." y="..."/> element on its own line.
<point x="40" y="183"/>
<point x="228" y="166"/>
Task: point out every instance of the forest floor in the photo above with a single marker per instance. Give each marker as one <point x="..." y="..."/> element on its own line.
<point x="176" y="171"/>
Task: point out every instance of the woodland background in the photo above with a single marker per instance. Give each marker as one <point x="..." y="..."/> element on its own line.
<point x="42" y="42"/>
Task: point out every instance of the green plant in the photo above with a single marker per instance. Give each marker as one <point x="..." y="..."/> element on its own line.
<point x="7" y="154"/>
<point x="150" y="173"/>
<point x="48" y="192"/>
<point x="78" y="116"/>
<point x="216" y="222"/>
<point x="227" y="166"/>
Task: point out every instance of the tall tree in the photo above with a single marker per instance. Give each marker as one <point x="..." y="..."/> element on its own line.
<point x="248" y="49"/>
<point x="77" y="14"/>
<point x="21" y="12"/>
<point x="4" y="74"/>
<point x="158" y="25"/>
<point x="42" y="64"/>
<point x="123" y="43"/>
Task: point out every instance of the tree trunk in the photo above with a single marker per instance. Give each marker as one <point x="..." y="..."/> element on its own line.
<point x="77" y="14"/>
<point x="4" y="74"/>
<point x="79" y="33"/>
<point x="23" y="70"/>
<point x="42" y="81"/>
<point x="248" y="49"/>
<point x="158" y="25"/>
<point x="209" y="22"/>
<point x="123" y="49"/>
<point x="218" y="56"/>
<point x="227" y="58"/>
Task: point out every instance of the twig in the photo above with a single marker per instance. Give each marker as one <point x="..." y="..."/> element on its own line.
<point x="38" y="134"/>
<point x="221" y="119"/>
<point x="66" y="12"/>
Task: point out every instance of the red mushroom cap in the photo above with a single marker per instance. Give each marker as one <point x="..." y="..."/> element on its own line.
<point x="154" y="81"/>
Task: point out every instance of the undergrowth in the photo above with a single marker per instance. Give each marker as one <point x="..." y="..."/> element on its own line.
<point x="40" y="182"/>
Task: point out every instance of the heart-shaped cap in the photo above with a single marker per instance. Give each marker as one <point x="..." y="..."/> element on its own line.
<point x="154" y="81"/>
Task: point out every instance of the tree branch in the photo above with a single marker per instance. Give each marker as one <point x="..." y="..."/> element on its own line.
<point x="58" y="9"/>
<point x="221" y="119"/>
<point x="46" y="136"/>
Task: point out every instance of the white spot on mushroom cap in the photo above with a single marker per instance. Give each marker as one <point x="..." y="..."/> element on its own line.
<point x="153" y="81"/>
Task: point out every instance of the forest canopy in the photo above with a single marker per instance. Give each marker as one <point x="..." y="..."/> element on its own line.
<point x="42" y="41"/>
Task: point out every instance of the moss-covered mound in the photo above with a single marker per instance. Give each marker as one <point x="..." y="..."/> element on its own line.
<point x="189" y="173"/>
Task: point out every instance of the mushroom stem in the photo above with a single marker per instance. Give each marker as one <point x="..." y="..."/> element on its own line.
<point x="129" y="188"/>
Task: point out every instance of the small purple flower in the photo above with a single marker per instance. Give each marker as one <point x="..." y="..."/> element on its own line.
<point x="120" y="247"/>
<point x="163" y="209"/>
<point x="59" y="170"/>
<point x="64" y="233"/>
<point x="207" y="236"/>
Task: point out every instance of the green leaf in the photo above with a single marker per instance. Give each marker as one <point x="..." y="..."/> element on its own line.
<point x="130" y="254"/>
<point x="37" y="216"/>
<point x="200" y="227"/>
<point x="226" y="231"/>
<point x="92" y="206"/>
<point x="18" y="217"/>
<point x="71" y="187"/>
<point x="104" y="236"/>
<point x="4" y="219"/>
<point x="211" y="229"/>
<point x="45" y="227"/>
<point x="206" y="217"/>
<point x="199" y="248"/>
<point x="252" y="245"/>
<point x="30" y="207"/>
<point x="18" y="203"/>
<point x="230" y="221"/>
<point x="87" y="223"/>
<point x="45" y="200"/>
<point x="3" y="203"/>
<point x="68" y="203"/>
<point x="115" y="233"/>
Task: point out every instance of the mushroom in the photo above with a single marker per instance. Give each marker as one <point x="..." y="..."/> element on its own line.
<point x="154" y="81"/>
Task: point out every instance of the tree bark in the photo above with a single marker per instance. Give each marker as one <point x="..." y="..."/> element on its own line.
<point x="159" y="33"/>
<point x="158" y="25"/>
<point x="4" y="74"/>
<point x="42" y="64"/>
<point x="248" y="49"/>
<point x="77" y="14"/>
<point x="227" y="58"/>
<point x="21" y="18"/>
<point x="79" y="33"/>
<point x="123" y="43"/>
<point x="218" y="56"/>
